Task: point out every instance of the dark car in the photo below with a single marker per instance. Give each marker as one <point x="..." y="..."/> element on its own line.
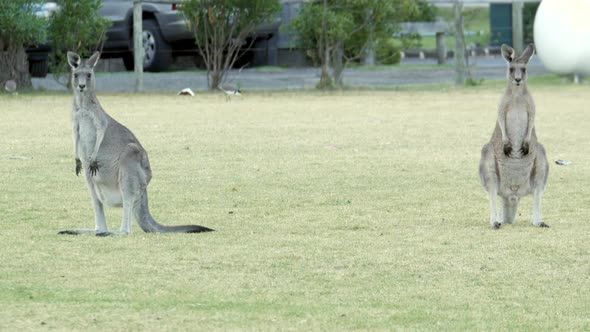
<point x="165" y="33"/>
<point x="38" y="55"/>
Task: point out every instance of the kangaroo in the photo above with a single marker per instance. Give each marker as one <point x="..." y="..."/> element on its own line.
<point x="513" y="164"/>
<point x="116" y="166"/>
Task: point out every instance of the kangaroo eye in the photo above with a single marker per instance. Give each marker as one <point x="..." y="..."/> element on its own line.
<point x="88" y="75"/>
<point x="511" y="70"/>
<point x="523" y="70"/>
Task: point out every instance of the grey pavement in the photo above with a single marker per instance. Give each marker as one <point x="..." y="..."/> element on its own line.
<point x="410" y="73"/>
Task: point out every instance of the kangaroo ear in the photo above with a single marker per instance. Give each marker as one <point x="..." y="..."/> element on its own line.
<point x="93" y="59"/>
<point x="507" y="53"/>
<point x="73" y="60"/>
<point x="528" y="53"/>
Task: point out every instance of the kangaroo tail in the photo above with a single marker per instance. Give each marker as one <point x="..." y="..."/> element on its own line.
<point x="149" y="225"/>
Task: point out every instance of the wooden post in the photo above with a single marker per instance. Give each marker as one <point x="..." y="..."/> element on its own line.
<point x="138" y="45"/>
<point x="441" y="48"/>
<point x="460" y="63"/>
<point x="517" y="33"/>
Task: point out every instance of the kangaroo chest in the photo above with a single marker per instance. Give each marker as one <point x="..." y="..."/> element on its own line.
<point x="517" y="122"/>
<point x="86" y="124"/>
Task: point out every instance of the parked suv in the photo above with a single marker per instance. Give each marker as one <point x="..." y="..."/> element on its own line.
<point x="165" y="34"/>
<point x="164" y="31"/>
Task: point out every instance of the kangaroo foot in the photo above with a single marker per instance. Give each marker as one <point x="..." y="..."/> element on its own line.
<point x="496" y="225"/>
<point x="68" y="232"/>
<point x="540" y="224"/>
<point x="77" y="231"/>
<point x="112" y="233"/>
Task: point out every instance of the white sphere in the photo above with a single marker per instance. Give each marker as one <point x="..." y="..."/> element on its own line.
<point x="562" y="29"/>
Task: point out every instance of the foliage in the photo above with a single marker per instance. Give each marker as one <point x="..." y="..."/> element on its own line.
<point x="309" y="26"/>
<point x="19" y="24"/>
<point x="76" y="27"/>
<point x="336" y="32"/>
<point x="388" y="53"/>
<point x="416" y="11"/>
<point x="223" y="30"/>
<point x="19" y="27"/>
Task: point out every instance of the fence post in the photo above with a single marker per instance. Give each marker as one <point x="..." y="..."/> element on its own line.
<point x="441" y="48"/>
<point x="517" y="33"/>
<point x="138" y="45"/>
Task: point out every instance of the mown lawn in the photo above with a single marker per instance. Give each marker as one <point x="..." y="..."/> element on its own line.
<point x="352" y="211"/>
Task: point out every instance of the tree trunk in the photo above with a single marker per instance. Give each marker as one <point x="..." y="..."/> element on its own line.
<point x="215" y="80"/>
<point x="461" y="70"/>
<point x="325" y="77"/>
<point x="14" y="66"/>
<point x="368" y="55"/>
<point x="326" y="80"/>
<point x="338" y="65"/>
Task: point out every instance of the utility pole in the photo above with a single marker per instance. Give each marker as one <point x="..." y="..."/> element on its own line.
<point x="517" y="34"/>
<point x="461" y="70"/>
<point x="138" y="45"/>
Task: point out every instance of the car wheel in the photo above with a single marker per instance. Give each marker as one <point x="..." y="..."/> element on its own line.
<point x="39" y="68"/>
<point x="158" y="53"/>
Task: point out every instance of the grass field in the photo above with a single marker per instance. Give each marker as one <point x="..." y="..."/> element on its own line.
<point x="356" y="211"/>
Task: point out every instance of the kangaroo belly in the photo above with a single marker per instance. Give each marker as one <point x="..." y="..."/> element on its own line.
<point x="515" y="177"/>
<point x="108" y="195"/>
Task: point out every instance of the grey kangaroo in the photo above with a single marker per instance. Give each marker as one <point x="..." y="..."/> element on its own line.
<point x="116" y="166"/>
<point x="513" y="164"/>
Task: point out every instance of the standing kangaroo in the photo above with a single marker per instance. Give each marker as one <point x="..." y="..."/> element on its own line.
<point x="116" y="165"/>
<point x="513" y="164"/>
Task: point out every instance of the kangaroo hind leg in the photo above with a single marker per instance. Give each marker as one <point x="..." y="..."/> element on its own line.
<point x="509" y="208"/>
<point x="99" y="217"/>
<point x="539" y="177"/>
<point x="490" y="179"/>
<point x="134" y="176"/>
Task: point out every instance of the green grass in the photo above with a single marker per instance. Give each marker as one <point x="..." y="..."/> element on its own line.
<point x="269" y="69"/>
<point x="340" y="211"/>
<point x="399" y="66"/>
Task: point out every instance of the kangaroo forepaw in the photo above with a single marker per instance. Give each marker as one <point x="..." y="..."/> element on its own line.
<point x="93" y="168"/>
<point x="525" y="148"/>
<point x="496" y="225"/>
<point x="68" y="232"/>
<point x="78" y="166"/>
<point x="507" y="149"/>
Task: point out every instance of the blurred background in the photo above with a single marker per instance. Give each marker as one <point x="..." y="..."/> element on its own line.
<point x="286" y="44"/>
